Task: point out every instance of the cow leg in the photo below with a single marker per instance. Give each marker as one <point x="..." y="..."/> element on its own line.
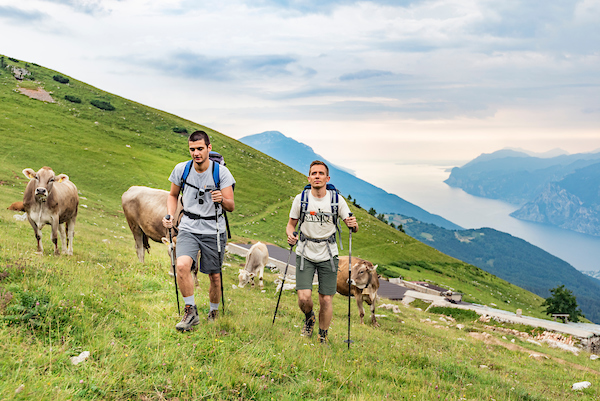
<point x="55" y="226"/>
<point x="359" y="304"/>
<point x="63" y="237"/>
<point x="37" y="231"/>
<point x="70" y="226"/>
<point x="138" y="236"/>
<point x="372" y="302"/>
<point x="260" y="277"/>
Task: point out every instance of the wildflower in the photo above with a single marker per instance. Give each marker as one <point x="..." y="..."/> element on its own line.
<point x="80" y="381"/>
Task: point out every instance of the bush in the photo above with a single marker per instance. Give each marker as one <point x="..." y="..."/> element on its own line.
<point x="102" y="105"/>
<point x="180" y="130"/>
<point x="73" y="99"/>
<point x="461" y="315"/>
<point x="61" y="79"/>
<point x="13" y="59"/>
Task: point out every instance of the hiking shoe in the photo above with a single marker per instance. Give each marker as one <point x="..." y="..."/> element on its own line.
<point x="309" y="324"/>
<point x="323" y="336"/>
<point x="190" y="318"/>
<point x="212" y="315"/>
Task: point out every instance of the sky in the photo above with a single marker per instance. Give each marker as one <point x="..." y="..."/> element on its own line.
<point x="397" y="81"/>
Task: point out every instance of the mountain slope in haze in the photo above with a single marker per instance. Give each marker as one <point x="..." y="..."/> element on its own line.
<point x="299" y="156"/>
<point x="510" y="258"/>
<point x="561" y="190"/>
<point x="572" y="203"/>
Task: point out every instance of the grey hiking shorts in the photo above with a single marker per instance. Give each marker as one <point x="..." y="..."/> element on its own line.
<point x="189" y="244"/>
<point x="327" y="278"/>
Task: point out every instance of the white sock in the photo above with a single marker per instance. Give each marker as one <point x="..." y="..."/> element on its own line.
<point x="214" y="306"/>
<point x="189" y="300"/>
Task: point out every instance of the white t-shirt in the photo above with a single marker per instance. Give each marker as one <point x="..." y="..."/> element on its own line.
<point x="318" y="225"/>
<point x="193" y="196"/>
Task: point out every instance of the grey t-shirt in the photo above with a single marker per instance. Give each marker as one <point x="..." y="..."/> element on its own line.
<point x="193" y="197"/>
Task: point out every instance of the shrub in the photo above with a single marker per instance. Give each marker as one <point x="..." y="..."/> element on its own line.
<point x="61" y="79"/>
<point x="102" y="105"/>
<point x="458" y="314"/>
<point x="73" y="99"/>
<point x="180" y="130"/>
<point x="13" y="59"/>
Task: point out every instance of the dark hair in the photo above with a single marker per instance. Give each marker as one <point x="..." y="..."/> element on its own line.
<point x="199" y="136"/>
<point x="318" y="163"/>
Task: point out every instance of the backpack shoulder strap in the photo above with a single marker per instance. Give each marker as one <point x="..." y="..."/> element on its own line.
<point x="186" y="172"/>
<point x="216" y="174"/>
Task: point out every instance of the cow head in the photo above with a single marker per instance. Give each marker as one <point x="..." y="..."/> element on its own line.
<point x="43" y="180"/>
<point x="362" y="273"/>
<point x="245" y="277"/>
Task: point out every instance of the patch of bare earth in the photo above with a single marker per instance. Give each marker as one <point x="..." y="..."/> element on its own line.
<point x="39" y="94"/>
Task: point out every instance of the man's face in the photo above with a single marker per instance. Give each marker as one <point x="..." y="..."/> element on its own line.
<point x="199" y="151"/>
<point x="318" y="177"/>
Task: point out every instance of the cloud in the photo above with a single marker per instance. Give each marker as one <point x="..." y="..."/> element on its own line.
<point x="199" y="66"/>
<point x="91" y="7"/>
<point x="20" y="15"/>
<point x="365" y="74"/>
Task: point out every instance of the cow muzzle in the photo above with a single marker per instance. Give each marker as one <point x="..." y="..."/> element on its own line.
<point x="41" y="194"/>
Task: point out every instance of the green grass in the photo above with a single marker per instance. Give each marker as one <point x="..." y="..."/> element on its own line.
<point x="104" y="301"/>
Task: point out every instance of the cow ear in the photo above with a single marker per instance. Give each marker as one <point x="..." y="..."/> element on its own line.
<point x="241" y="270"/>
<point x="29" y="173"/>
<point x="251" y="275"/>
<point x="165" y="240"/>
<point x="374" y="268"/>
<point x="62" y="178"/>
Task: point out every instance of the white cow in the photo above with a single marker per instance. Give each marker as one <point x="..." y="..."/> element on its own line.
<point x="257" y="258"/>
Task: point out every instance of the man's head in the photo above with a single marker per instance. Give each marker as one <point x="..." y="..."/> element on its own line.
<point x="199" y="144"/>
<point x="199" y="136"/>
<point x="318" y="174"/>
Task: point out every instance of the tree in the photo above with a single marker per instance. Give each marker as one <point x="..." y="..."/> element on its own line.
<point x="372" y="212"/>
<point x="349" y="197"/>
<point x="563" y="301"/>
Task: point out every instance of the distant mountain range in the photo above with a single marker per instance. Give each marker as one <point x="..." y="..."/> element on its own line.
<point x="510" y="258"/>
<point x="299" y="156"/>
<point x="562" y="190"/>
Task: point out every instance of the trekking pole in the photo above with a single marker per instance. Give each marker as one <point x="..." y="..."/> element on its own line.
<point x="168" y="217"/>
<point x="349" y="281"/>
<point x="283" y="282"/>
<point x="219" y="252"/>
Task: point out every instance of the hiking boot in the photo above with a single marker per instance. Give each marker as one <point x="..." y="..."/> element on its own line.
<point x="212" y="315"/>
<point x="309" y="324"/>
<point x="323" y="336"/>
<point x="190" y="318"/>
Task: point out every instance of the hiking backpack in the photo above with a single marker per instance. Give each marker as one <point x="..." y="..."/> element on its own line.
<point x="335" y="203"/>
<point x="218" y="161"/>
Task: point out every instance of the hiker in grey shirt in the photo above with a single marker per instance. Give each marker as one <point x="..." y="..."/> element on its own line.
<point x="199" y="225"/>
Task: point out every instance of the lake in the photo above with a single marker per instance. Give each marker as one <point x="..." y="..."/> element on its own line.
<point x="423" y="184"/>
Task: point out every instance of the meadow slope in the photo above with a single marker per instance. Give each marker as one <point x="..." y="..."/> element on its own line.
<point x="104" y="301"/>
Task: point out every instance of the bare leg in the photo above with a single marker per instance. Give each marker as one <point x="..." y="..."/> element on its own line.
<point x="214" y="291"/>
<point x="184" y="275"/>
<point x="305" y="300"/>
<point x="325" y="311"/>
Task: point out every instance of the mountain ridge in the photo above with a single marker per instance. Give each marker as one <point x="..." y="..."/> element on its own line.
<point x="299" y="156"/>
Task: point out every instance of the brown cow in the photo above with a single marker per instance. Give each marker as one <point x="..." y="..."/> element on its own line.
<point x="365" y="284"/>
<point x="18" y="206"/>
<point x="51" y="199"/>
<point x="144" y="209"/>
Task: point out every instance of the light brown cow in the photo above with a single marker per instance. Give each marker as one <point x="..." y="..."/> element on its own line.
<point x="256" y="259"/>
<point x="365" y="283"/>
<point x="51" y="199"/>
<point x="144" y="209"/>
<point x="18" y="206"/>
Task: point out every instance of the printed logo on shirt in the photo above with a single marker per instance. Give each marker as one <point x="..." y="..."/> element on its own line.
<point x="318" y="217"/>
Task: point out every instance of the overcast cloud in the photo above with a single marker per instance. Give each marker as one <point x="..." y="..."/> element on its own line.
<point x="463" y="77"/>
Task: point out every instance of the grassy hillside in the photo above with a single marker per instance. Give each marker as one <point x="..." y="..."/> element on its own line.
<point x="103" y="301"/>
<point x="511" y="258"/>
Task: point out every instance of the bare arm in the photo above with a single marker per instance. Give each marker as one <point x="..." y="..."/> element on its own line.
<point x="225" y="198"/>
<point x="352" y="223"/>
<point x="290" y="229"/>
<point x="171" y="205"/>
